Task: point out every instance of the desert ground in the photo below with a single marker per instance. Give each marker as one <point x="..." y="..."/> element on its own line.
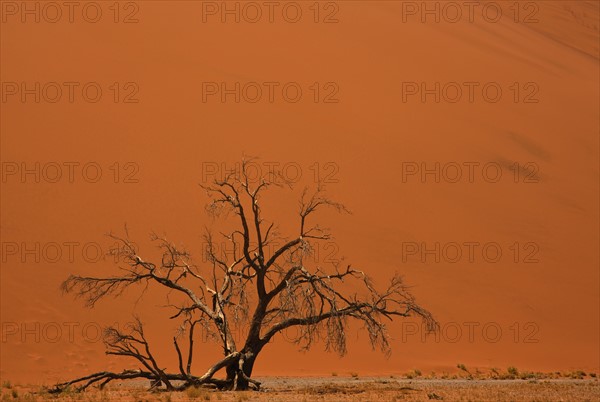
<point x="342" y="388"/>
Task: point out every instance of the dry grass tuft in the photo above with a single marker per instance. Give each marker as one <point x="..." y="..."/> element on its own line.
<point x="198" y="393"/>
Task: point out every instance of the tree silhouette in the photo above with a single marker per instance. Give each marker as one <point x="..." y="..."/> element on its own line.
<point x="266" y="284"/>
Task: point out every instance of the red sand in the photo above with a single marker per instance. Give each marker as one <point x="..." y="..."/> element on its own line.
<point x="547" y="310"/>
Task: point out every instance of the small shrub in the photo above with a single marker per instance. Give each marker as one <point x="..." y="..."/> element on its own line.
<point x="512" y="372"/>
<point x="354" y="374"/>
<point x="6" y="384"/>
<point x="462" y="367"/>
<point x="526" y="375"/>
<point x="334" y="374"/>
<point x="577" y="375"/>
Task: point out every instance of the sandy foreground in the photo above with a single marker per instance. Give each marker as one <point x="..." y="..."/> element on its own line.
<point x="340" y="389"/>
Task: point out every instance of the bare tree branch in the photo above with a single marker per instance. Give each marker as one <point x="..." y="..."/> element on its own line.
<point x="265" y="284"/>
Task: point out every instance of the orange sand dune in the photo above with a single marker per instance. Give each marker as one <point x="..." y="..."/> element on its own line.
<point x="535" y="307"/>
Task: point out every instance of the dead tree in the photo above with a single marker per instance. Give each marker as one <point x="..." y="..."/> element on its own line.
<point x="265" y="284"/>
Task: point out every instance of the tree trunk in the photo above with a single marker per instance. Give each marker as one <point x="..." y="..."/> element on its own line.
<point x="240" y="379"/>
